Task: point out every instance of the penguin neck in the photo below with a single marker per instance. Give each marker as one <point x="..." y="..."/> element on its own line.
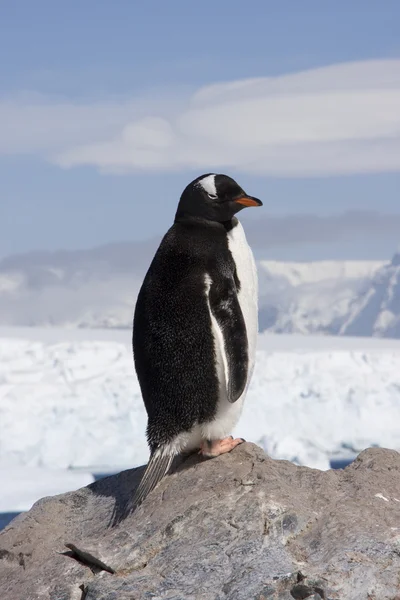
<point x="190" y="219"/>
<point x="229" y="225"/>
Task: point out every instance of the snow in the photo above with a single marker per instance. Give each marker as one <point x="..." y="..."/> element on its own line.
<point x="98" y="288"/>
<point x="324" y="404"/>
<point x="377" y="311"/>
<point x="71" y="399"/>
<point x="299" y="273"/>
<point x="24" y="485"/>
<point x="311" y="297"/>
<point x="69" y="404"/>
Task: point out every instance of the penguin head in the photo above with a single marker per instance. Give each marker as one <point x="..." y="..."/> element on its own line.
<point x="213" y="197"/>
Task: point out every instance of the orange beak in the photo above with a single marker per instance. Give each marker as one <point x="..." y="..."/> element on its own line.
<point x="249" y="201"/>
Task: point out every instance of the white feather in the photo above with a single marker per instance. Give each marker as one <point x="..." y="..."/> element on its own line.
<point x="219" y="343"/>
<point x="208" y="184"/>
<point x="228" y="413"/>
<point x="248" y="295"/>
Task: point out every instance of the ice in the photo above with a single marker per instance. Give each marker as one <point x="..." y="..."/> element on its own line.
<point x="70" y="399"/>
<point x="22" y="486"/>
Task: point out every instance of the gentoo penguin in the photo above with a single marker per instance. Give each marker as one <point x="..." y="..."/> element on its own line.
<point x="195" y="328"/>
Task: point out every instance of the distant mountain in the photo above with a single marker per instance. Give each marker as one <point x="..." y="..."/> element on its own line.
<point x="84" y="288"/>
<point x="376" y="312"/>
<point x="98" y="288"/>
<point x="312" y="297"/>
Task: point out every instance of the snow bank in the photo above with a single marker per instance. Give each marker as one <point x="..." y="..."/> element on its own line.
<point x="22" y="486"/>
<point x="77" y="403"/>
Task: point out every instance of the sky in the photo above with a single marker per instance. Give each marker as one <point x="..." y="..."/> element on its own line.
<point x="108" y="110"/>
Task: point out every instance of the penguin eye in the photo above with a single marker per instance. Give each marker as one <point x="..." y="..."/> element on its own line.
<point x="212" y="196"/>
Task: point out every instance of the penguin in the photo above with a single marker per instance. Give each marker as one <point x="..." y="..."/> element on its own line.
<point x="195" y="328"/>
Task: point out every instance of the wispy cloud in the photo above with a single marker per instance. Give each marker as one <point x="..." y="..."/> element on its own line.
<point x="333" y="120"/>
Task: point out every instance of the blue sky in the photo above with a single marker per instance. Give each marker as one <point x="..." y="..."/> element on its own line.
<point x="108" y="110"/>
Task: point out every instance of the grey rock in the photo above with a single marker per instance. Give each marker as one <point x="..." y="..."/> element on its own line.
<point x="238" y="527"/>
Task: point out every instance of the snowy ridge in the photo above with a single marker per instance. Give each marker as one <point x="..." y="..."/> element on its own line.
<point x="98" y="288"/>
<point x="314" y="297"/>
<point x="376" y="312"/>
<point x="75" y="402"/>
<point x="298" y="273"/>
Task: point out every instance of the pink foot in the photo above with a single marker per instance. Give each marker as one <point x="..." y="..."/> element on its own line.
<point x="210" y="449"/>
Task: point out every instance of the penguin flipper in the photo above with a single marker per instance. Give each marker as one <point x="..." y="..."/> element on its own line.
<point x="226" y="309"/>
<point x="157" y="467"/>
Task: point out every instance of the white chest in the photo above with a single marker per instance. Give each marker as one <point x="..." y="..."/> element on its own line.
<point x="228" y="413"/>
<point x="248" y="294"/>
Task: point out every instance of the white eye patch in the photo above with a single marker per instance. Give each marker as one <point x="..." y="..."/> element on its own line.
<point x="208" y="185"/>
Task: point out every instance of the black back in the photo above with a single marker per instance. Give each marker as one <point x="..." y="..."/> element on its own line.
<point x="172" y="337"/>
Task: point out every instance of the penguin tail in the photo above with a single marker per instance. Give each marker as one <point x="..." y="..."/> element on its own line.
<point x="157" y="467"/>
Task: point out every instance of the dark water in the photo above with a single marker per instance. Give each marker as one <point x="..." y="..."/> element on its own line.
<point x="5" y="518"/>
<point x="340" y="463"/>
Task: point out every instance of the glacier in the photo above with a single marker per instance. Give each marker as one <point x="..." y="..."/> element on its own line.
<point x="69" y="399"/>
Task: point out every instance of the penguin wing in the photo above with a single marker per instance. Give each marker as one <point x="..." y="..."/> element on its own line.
<point x="225" y="308"/>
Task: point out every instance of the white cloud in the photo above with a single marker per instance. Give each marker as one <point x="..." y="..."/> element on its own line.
<point x="339" y="119"/>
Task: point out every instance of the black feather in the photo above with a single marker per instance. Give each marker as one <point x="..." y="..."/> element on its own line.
<point x="158" y="466"/>
<point x="173" y="341"/>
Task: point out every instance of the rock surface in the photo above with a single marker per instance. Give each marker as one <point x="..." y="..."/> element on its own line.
<point x="238" y="527"/>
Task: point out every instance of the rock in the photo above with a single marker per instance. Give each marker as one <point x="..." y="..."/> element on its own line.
<point x="238" y="527"/>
